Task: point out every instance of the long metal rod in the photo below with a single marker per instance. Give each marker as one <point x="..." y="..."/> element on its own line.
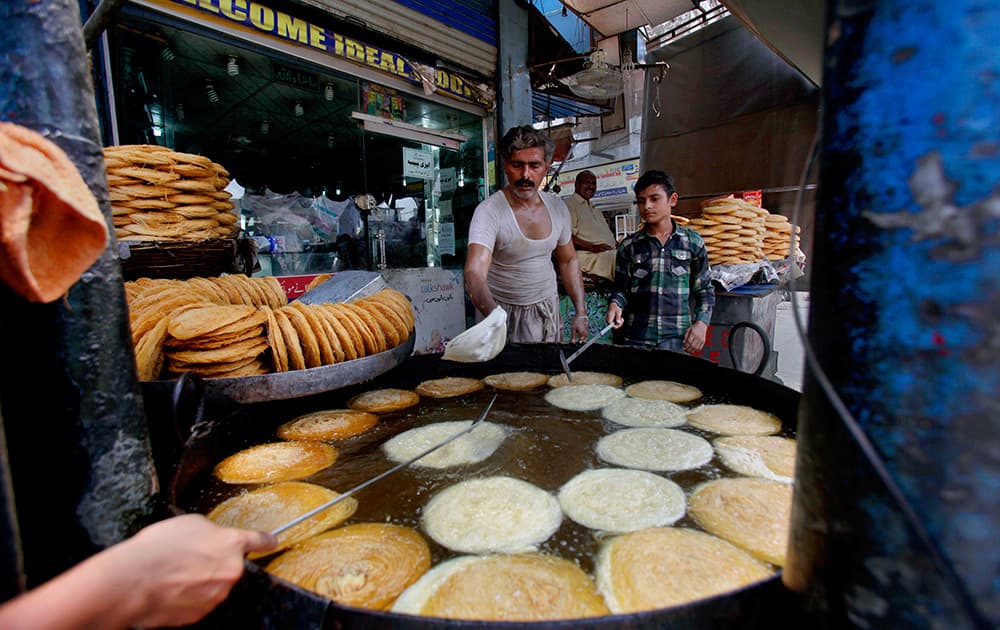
<point x="590" y="341"/>
<point x="316" y="510"/>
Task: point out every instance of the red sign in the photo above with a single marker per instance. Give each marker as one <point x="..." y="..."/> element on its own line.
<point x="295" y="286"/>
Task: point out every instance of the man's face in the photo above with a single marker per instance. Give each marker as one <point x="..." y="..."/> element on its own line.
<point x="586" y="186"/>
<point x="525" y="171"/>
<point x="654" y="203"/>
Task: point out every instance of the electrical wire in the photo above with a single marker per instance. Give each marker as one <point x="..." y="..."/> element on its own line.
<point x="855" y="429"/>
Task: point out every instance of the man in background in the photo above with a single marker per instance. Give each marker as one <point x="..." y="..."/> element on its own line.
<point x="592" y="238"/>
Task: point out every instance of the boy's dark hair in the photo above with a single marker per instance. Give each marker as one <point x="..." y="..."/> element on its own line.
<point x="655" y="178"/>
<point x="526" y="137"/>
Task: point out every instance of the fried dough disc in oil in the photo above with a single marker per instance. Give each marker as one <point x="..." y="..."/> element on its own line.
<point x="668" y="566"/>
<point x="474" y="446"/>
<point x="615" y="500"/>
<point x="583" y="397"/>
<point x="584" y="377"/>
<point x="449" y="387"/>
<point x="671" y="391"/>
<point x="655" y="448"/>
<point x="271" y="506"/>
<point x="517" y="381"/>
<point x="384" y="400"/>
<point x="734" y="420"/>
<point x="490" y="515"/>
<point x="530" y="587"/>
<point x="645" y="412"/>
<point x="767" y="456"/>
<point x="329" y="424"/>
<point x="753" y="514"/>
<point x="276" y="461"/>
<point x="366" y="565"/>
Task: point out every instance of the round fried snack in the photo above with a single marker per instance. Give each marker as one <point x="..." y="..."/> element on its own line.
<point x="643" y="412"/>
<point x="670" y="391"/>
<point x="275" y="461"/>
<point x="767" y="456"/>
<point x="329" y="424"/>
<point x="516" y="381"/>
<point x="734" y="420"/>
<point x="583" y="397"/>
<point x="208" y="319"/>
<point x="449" y="387"/>
<point x="753" y="514"/>
<point x="276" y="341"/>
<point x="346" y="342"/>
<point x="667" y="566"/>
<point x="615" y="500"/>
<point x="367" y="320"/>
<point x="271" y="506"/>
<point x="655" y="449"/>
<point x="366" y="565"/>
<point x="293" y="348"/>
<point x="355" y="341"/>
<point x="472" y="447"/>
<point x="492" y="515"/>
<point x="400" y="303"/>
<point x="384" y="400"/>
<point x="364" y="337"/>
<point x="583" y="377"/>
<point x="307" y="337"/>
<point x="530" y="587"/>
<point x="324" y="335"/>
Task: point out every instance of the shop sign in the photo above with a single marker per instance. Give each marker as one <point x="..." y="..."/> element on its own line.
<point x="613" y="180"/>
<point x="382" y="101"/>
<point x="294" y="77"/>
<point x="418" y="164"/>
<point x="258" y="18"/>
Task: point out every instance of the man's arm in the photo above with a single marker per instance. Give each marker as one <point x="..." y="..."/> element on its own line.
<point x="477" y="266"/>
<point x="569" y="272"/>
<point x="587" y="246"/>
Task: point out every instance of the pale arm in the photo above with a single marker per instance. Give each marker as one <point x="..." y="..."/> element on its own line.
<point x="694" y="338"/>
<point x="171" y="573"/>
<point x="477" y="266"/>
<point x="569" y="272"/>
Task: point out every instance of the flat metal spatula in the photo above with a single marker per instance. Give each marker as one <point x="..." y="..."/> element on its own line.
<point x="361" y="486"/>
<point x="565" y="362"/>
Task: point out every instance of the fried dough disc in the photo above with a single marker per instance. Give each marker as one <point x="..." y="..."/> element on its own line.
<point x="233" y="352"/>
<point x="368" y="320"/>
<point x="583" y="397"/>
<point x="343" y="336"/>
<point x="449" y="387"/>
<point x="586" y="378"/>
<point x="472" y="447"/>
<point x="214" y="341"/>
<point x="365" y="338"/>
<point x="644" y="412"/>
<point x="201" y="321"/>
<point x="307" y="338"/>
<point x="670" y="391"/>
<point x="149" y="351"/>
<point x="276" y="461"/>
<point x="655" y="449"/>
<point x="530" y="587"/>
<point x="516" y="381"/>
<point x="271" y="506"/>
<point x="293" y="347"/>
<point x="329" y="424"/>
<point x="326" y="355"/>
<point x="767" y="456"/>
<point x="276" y="341"/>
<point x="614" y="500"/>
<point x="753" y="514"/>
<point x="396" y="330"/>
<point x="325" y="329"/>
<point x="402" y="303"/>
<point x="734" y="420"/>
<point x="384" y="400"/>
<point x="492" y="515"/>
<point x="366" y="565"/>
<point x="315" y="282"/>
<point x="668" y="566"/>
<point x="346" y="322"/>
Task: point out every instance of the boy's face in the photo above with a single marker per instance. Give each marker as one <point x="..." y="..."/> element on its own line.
<point x="655" y="204"/>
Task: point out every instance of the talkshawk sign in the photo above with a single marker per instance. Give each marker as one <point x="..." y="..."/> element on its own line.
<point x="258" y="18"/>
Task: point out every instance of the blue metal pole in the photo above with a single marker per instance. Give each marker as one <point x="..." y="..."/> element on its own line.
<point x="896" y="525"/>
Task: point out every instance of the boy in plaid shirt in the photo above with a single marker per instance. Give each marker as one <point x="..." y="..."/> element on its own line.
<point x="661" y="274"/>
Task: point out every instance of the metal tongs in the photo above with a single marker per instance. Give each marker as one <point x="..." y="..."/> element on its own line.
<point x="361" y="486"/>
<point x="565" y="362"/>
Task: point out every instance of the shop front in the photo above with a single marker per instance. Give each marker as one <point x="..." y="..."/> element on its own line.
<point x="342" y="154"/>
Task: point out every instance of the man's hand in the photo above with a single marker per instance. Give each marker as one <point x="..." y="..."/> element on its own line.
<point x="580" y="329"/>
<point x="614" y="316"/>
<point x="694" y="338"/>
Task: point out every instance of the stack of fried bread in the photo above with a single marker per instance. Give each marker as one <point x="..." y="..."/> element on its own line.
<point x="158" y="194"/>
<point x="778" y="237"/>
<point x="235" y="325"/>
<point x="733" y="231"/>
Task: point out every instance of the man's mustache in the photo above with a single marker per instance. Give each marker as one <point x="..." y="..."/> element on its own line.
<point x="525" y="182"/>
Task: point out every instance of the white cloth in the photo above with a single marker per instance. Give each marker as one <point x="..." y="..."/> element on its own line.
<point x="521" y="272"/>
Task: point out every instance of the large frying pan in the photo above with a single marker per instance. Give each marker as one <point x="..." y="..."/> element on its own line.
<point x="260" y="601"/>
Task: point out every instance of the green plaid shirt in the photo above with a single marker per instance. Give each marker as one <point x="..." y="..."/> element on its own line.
<point x="654" y="285"/>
